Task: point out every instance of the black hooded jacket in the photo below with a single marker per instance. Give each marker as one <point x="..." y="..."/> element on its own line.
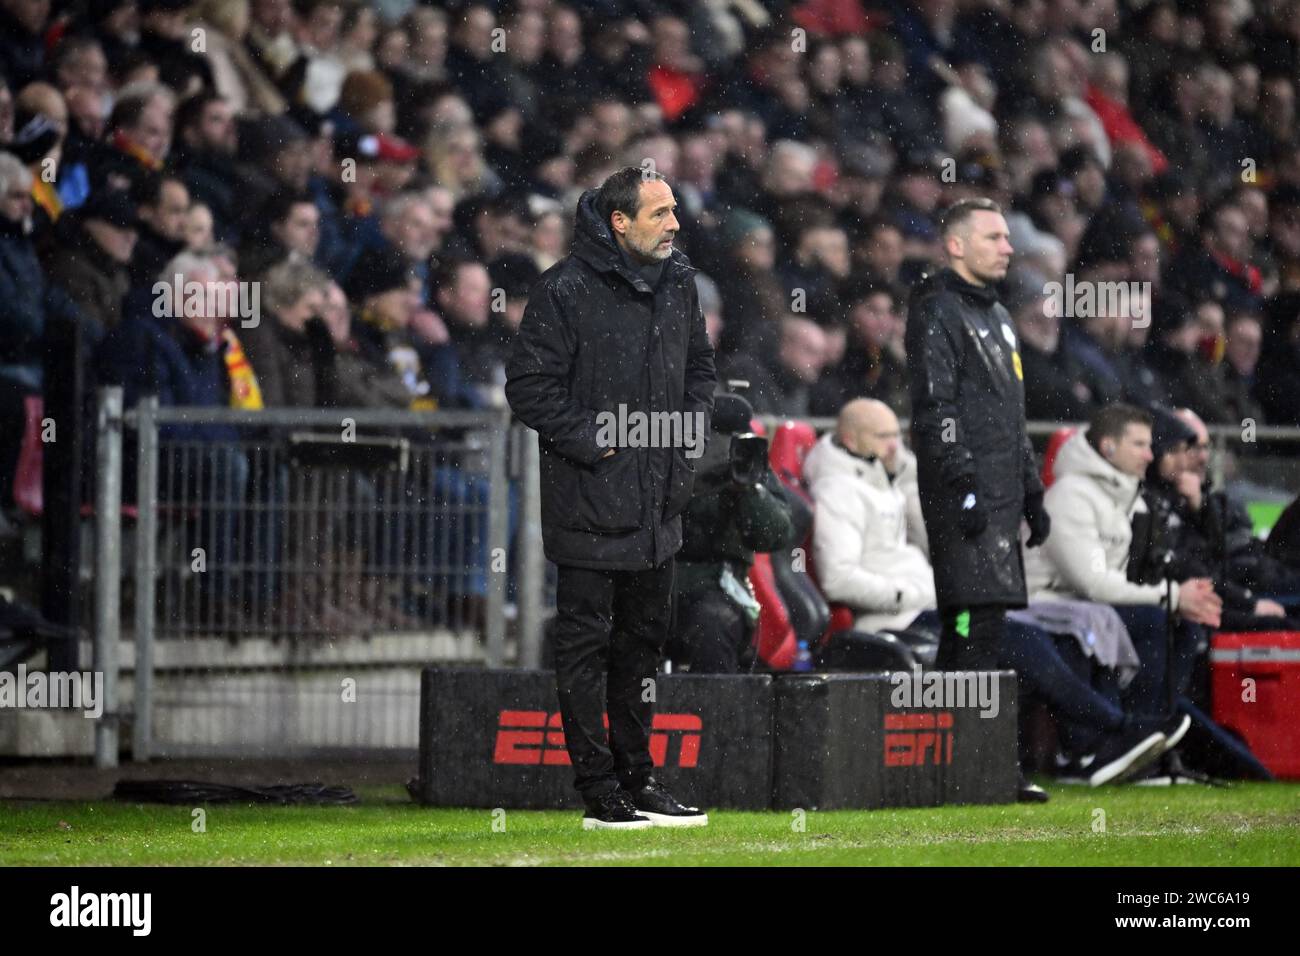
<point x="595" y="337"/>
<point x="968" y="433"/>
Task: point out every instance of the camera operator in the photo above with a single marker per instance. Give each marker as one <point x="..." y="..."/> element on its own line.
<point x="1177" y="536"/>
<point x="739" y="507"/>
<point x="1221" y="532"/>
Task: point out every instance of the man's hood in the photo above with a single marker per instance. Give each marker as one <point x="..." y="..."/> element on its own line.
<point x="593" y="242"/>
<point x="1077" y="457"/>
<point x="948" y="280"/>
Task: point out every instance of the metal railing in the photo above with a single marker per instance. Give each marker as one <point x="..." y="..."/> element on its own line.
<point x="279" y="552"/>
<point x="295" y="541"/>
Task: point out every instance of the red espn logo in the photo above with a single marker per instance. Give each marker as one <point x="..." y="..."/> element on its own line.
<point x="536" y="737"/>
<point x="908" y="749"/>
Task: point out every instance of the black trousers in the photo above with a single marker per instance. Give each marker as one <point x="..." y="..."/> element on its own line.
<point x="609" y="633"/>
<point x="971" y="638"/>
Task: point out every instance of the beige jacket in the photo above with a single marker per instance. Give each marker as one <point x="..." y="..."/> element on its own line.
<point x="1091" y="504"/>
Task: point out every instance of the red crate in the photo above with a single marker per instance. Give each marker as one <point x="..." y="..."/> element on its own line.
<point x="1269" y="724"/>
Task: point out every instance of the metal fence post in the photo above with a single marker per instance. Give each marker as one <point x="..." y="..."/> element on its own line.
<point x="146" y="559"/>
<point x="108" y="569"/>
<point x="532" y="562"/>
<point x="498" y="541"/>
<point x="1219" y="459"/>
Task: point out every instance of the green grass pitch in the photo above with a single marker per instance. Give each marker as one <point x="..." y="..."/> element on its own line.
<point x="1245" y="825"/>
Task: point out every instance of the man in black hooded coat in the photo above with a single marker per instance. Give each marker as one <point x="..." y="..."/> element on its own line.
<point x="612" y="329"/>
<point x="976" y="468"/>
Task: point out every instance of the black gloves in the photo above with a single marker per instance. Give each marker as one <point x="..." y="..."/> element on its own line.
<point x="971" y="515"/>
<point x="1040" y="523"/>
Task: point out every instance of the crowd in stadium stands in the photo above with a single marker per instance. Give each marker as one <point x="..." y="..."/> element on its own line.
<point x="395" y="175"/>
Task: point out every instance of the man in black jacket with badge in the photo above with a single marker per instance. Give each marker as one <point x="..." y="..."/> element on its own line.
<point x="613" y="368"/>
<point x="977" y="471"/>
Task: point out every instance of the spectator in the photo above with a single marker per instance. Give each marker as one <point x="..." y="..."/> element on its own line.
<point x="207" y="139"/>
<point x="288" y="226"/>
<point x="366" y="103"/>
<point x="162" y="205"/>
<point x="881" y="252"/>
<point x="387" y="299"/>
<point x="1055" y="385"/>
<point x="165" y="40"/>
<point x="318" y="74"/>
<point x="410" y="231"/>
<point x="869" y="539"/>
<point x="513" y="275"/>
<point x="1219" y="268"/>
<point x="189" y="357"/>
<point x="874" y="364"/>
<point x="1092" y="503"/>
<point x="288" y="358"/>
<point x="1179" y="525"/>
<point x="237" y="76"/>
<point x="93" y="259"/>
<point x="463" y="296"/>
<point x="914" y="207"/>
<point x="139" y="136"/>
<point x="472" y="63"/>
<point x="1242" y="348"/>
<point x="780" y="383"/>
<point x="1220" y="530"/>
<point x="356" y="383"/>
<point x="859" y="189"/>
<point x="753" y="300"/>
<point x="819" y="263"/>
<point x="22" y="46"/>
<point x="454" y="156"/>
<point x="270" y="41"/>
<point x="279" y="157"/>
<point x="1284" y="236"/>
<point x="1189" y="379"/>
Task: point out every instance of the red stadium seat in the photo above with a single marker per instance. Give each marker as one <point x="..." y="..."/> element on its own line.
<point x="777" y="644"/>
<point x="790" y="445"/>
<point x="1059" y="438"/>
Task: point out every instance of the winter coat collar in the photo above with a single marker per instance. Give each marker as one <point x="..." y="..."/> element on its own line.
<point x="946" y="278"/>
<point x="833" y="459"/>
<point x="594" y="244"/>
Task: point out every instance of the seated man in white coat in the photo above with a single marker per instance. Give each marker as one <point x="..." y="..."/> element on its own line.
<point x="869" y="541"/>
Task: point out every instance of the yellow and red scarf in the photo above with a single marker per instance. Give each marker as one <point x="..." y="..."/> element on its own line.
<point x="244" y="390"/>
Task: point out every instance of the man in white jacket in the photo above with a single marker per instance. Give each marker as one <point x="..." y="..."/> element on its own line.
<point x="1092" y="503"/>
<point x="869" y="541"/>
